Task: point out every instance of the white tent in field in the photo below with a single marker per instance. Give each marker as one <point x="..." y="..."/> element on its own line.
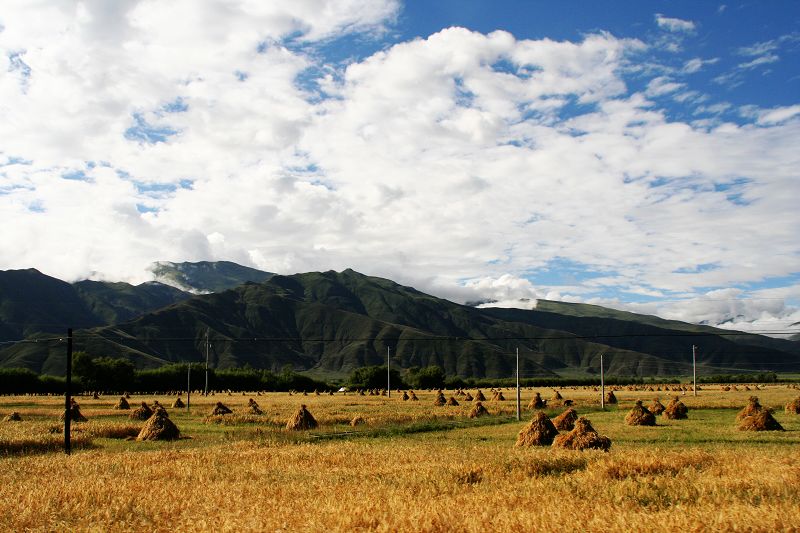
<point x="343" y="389"/>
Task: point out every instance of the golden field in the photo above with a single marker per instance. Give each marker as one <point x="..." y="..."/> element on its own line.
<point x="412" y="467"/>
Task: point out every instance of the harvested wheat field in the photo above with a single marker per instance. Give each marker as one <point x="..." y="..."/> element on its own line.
<point x="413" y="467"/>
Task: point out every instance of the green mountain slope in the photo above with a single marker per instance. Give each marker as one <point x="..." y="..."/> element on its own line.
<point x="118" y="302"/>
<point x="334" y="322"/>
<point x="206" y="276"/>
<point x="31" y="302"/>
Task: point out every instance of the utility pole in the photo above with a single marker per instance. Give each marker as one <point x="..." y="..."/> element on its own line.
<point x="694" y="368"/>
<point x="602" y="384"/>
<point x="188" y="385"/>
<point x="518" y="402"/>
<point x="388" y="375"/>
<point x="206" y="389"/>
<point x="68" y="396"/>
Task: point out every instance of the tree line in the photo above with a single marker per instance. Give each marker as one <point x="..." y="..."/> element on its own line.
<point x="110" y="375"/>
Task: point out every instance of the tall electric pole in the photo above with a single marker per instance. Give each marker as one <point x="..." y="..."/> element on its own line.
<point x="518" y="399"/>
<point x="694" y="368"/>
<point x="388" y="375"/>
<point x="206" y="390"/>
<point x="602" y="384"/>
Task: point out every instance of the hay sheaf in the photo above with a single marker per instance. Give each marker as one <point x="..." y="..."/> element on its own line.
<point x="75" y="414"/>
<point x="178" y="403"/>
<point x="582" y="437"/>
<point x="752" y="408"/>
<point x="253" y="408"/>
<point x="566" y="420"/>
<point x="405" y="396"/>
<point x="301" y="420"/>
<point x="761" y="421"/>
<point x="793" y="407"/>
<point x="656" y="407"/>
<point x="498" y="397"/>
<point x="13" y="417"/>
<point x="611" y="397"/>
<point x="537" y="402"/>
<point x="220" y="409"/>
<point x="557" y="396"/>
<point x="358" y="420"/>
<point x="478" y="410"/>
<point x="539" y="432"/>
<point x="452" y="401"/>
<point x="440" y="399"/>
<point x="143" y="412"/>
<point x="479" y="397"/>
<point x="412" y="396"/>
<point x="122" y="404"/>
<point x="467" y="397"/>
<point x="676" y="410"/>
<point x="159" y="427"/>
<point x="640" y="416"/>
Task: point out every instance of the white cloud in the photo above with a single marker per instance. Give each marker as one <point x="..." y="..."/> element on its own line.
<point x="457" y="163"/>
<point x="696" y="64"/>
<point x="674" y="24"/>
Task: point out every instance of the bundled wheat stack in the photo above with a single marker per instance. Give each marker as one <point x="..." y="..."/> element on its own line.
<point x="760" y="421"/>
<point x="793" y="407"/>
<point x="460" y="392"/>
<point x="468" y="397"/>
<point x="675" y="410"/>
<point x="122" y="404"/>
<point x="143" y="412"/>
<point x="159" y="427"/>
<point x="537" y="402"/>
<point x="539" y="432"/>
<point x="220" y="409"/>
<point x="440" y="399"/>
<point x="358" y="420"/>
<point x="479" y="397"/>
<point x="752" y="408"/>
<point x="301" y="420"/>
<point x="557" y="396"/>
<point x="566" y="420"/>
<point x="610" y="397"/>
<point x="412" y="396"/>
<point x="656" y="407"/>
<point x="74" y="413"/>
<point x="640" y="416"/>
<point x="405" y="396"/>
<point x="95" y="396"/>
<point x="583" y="436"/>
<point x="478" y="410"/>
<point x="253" y="408"/>
<point x="452" y="401"/>
<point x="498" y="397"/>
<point x="13" y="417"/>
<point x="178" y="403"/>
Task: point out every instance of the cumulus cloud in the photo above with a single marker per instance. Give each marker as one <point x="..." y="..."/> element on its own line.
<point x="461" y="163"/>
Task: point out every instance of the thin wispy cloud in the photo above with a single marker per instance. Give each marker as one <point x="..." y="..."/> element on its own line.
<point x="674" y="24"/>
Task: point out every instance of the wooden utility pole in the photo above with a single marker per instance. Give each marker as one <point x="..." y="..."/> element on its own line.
<point x="68" y="396"/>
<point x="602" y="384"/>
<point x="694" y="368"/>
<point x="518" y="398"/>
<point x="188" y="386"/>
<point x="206" y="389"/>
<point x="388" y="374"/>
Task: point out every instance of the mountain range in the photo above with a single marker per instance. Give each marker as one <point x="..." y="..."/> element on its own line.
<point x="333" y="322"/>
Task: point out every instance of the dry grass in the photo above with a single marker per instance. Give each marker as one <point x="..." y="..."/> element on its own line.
<point x="467" y="479"/>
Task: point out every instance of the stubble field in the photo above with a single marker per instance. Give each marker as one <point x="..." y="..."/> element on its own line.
<point x="411" y="466"/>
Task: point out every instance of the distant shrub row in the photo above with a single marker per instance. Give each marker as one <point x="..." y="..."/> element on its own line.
<point x="109" y="375"/>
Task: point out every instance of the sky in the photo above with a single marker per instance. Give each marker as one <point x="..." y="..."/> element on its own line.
<point x="638" y="155"/>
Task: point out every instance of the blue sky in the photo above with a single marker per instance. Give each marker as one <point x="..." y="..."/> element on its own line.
<point x="640" y="155"/>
